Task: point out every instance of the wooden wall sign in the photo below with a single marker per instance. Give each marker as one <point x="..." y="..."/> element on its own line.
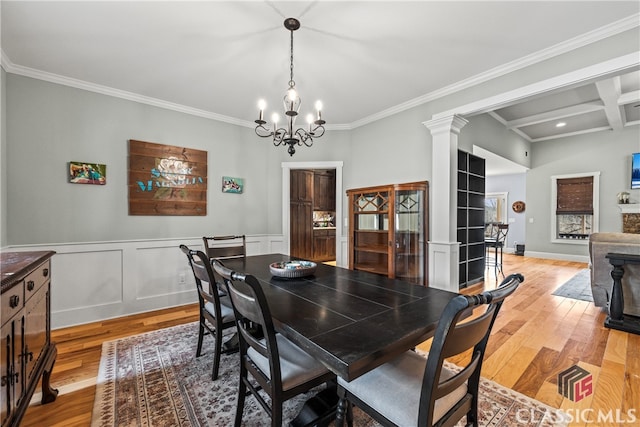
<point x="166" y="180"/>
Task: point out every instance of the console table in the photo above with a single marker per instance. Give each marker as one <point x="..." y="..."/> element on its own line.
<point x="27" y="354"/>
<point x="616" y="318"/>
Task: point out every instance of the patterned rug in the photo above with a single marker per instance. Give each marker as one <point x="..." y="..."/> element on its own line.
<point x="154" y="379"/>
<point x="578" y="287"/>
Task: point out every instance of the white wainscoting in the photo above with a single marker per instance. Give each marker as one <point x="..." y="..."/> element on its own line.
<point x="103" y="280"/>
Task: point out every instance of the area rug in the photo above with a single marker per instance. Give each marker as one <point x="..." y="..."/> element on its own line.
<point x="578" y="287"/>
<point x="154" y="379"/>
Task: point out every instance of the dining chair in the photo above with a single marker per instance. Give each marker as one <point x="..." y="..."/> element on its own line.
<point x="215" y="317"/>
<point x="232" y="246"/>
<point x="280" y="368"/>
<point x="411" y="390"/>
<point x="496" y="241"/>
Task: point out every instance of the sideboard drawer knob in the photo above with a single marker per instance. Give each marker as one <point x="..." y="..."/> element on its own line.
<point x="14" y="301"/>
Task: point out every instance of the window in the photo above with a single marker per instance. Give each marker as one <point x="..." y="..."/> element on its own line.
<point x="495" y="207"/>
<point x="495" y="210"/>
<point x="574" y="207"/>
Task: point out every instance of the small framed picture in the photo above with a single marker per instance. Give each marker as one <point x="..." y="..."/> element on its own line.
<point x="87" y="173"/>
<point x="232" y="185"/>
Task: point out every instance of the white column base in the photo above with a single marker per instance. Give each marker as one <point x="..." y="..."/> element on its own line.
<point x="443" y="265"/>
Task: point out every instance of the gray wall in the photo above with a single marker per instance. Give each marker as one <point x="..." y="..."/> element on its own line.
<point x="49" y="125"/>
<point x="605" y="152"/>
<point x="486" y="132"/>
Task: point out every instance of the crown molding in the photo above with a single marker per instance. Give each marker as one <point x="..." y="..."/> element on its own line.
<point x="558" y="49"/>
<point x="10" y="67"/>
<point x="550" y="52"/>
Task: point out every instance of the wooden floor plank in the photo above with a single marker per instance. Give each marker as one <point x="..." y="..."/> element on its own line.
<point x="608" y="394"/>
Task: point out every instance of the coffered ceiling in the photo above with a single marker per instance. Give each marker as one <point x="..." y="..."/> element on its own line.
<point x="364" y="59"/>
<point x="611" y="103"/>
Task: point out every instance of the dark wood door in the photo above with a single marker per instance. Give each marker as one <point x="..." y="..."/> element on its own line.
<point x="324" y="190"/>
<point x="301" y="186"/>
<point x="301" y="230"/>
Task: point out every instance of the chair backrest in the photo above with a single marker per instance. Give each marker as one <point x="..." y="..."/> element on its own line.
<point x="501" y="232"/>
<point x="252" y="314"/>
<point x="233" y="246"/>
<point x="204" y="277"/>
<point x="496" y="232"/>
<point x="455" y="335"/>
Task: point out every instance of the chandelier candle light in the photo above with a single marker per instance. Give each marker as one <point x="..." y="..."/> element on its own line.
<point x="286" y="135"/>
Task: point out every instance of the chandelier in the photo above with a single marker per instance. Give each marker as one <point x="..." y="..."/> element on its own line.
<point x="286" y="135"/>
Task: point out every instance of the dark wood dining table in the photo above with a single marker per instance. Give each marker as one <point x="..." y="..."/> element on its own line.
<point x="351" y="321"/>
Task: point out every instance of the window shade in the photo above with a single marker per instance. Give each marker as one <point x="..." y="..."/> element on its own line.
<point x="575" y="196"/>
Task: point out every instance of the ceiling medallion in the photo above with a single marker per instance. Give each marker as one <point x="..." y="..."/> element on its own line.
<point x="287" y="135"/>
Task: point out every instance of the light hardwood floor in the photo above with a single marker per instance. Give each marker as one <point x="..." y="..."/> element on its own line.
<point x="536" y="336"/>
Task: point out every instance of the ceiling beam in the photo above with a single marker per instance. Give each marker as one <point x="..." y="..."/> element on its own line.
<point x="629" y="97"/>
<point x="560" y="113"/>
<point x="610" y="91"/>
<point x="565" y="135"/>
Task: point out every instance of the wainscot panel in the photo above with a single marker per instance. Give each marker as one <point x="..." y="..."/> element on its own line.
<point x="103" y="280"/>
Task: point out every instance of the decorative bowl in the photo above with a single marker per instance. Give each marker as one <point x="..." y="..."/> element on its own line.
<point x="292" y="269"/>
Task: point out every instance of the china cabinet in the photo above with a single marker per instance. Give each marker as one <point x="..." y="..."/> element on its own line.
<point x="388" y="230"/>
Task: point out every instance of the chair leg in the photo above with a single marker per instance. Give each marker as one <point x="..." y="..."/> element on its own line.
<point x="242" y="393"/>
<point x="472" y="415"/>
<point x="200" y="336"/>
<point x="276" y="414"/>
<point x="216" y="355"/>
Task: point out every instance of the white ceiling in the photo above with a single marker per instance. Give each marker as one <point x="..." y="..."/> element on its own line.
<point x="363" y="59"/>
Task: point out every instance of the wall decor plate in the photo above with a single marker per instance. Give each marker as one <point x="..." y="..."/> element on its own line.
<point x="518" y="206"/>
<point x="292" y="269"/>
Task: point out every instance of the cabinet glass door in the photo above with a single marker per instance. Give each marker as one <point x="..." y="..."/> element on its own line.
<point x="409" y="236"/>
<point x="371" y="237"/>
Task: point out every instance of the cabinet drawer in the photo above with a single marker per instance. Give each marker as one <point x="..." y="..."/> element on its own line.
<point x="12" y="301"/>
<point x="36" y="279"/>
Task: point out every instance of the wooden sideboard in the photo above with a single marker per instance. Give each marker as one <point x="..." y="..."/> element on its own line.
<point x="26" y="353"/>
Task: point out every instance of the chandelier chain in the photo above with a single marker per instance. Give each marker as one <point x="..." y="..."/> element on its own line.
<point x="291" y="82"/>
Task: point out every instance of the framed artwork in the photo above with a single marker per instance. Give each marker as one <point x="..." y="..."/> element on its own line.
<point x="87" y="173"/>
<point x="166" y="180"/>
<point x="232" y="185"/>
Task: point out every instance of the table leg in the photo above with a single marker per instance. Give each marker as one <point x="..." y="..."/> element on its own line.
<point x="340" y="412"/>
<point x="616" y="305"/>
<point x="319" y="410"/>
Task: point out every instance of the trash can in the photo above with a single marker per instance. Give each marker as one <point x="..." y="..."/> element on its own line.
<point x="519" y="248"/>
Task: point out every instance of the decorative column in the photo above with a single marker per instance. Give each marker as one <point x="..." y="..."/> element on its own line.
<point x="444" y="249"/>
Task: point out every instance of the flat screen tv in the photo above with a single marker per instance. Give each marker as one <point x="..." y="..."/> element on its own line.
<point x="635" y="171"/>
